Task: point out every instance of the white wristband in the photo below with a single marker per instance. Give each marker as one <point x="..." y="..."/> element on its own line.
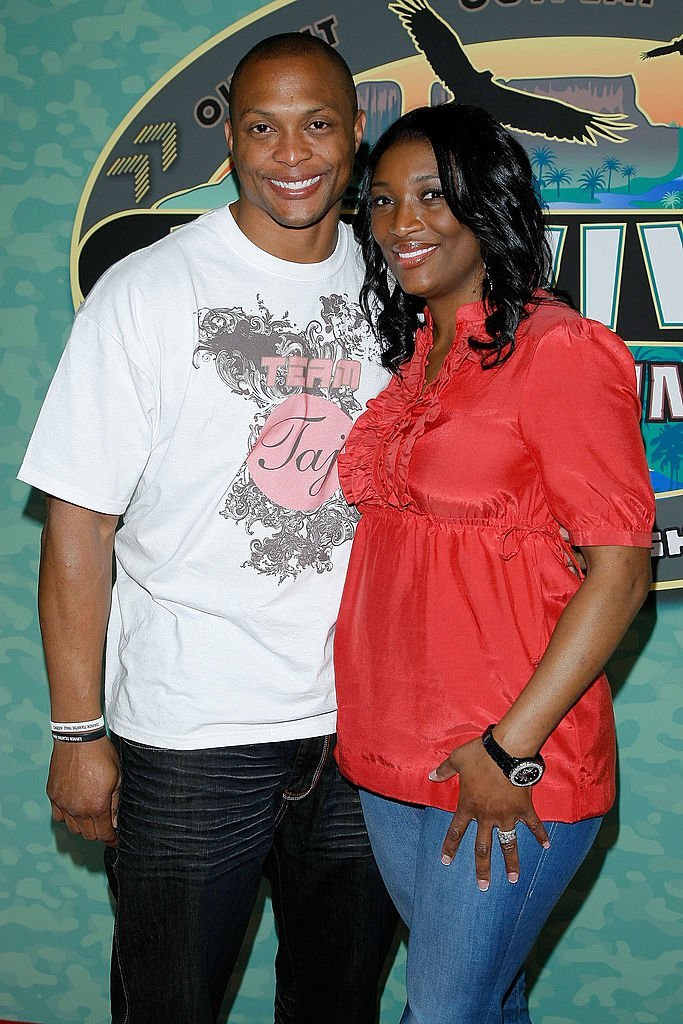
<point x="96" y="723"/>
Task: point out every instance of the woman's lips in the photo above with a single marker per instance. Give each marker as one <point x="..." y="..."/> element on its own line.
<point x="414" y="256"/>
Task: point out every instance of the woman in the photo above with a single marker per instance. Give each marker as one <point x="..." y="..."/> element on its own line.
<point x="469" y="651"/>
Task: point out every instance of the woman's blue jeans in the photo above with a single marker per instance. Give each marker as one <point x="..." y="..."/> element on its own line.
<point x="197" y="829"/>
<point x="467" y="948"/>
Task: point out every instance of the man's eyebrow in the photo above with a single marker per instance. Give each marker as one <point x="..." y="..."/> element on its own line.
<point x="250" y="111"/>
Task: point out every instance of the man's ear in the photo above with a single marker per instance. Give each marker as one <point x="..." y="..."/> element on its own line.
<point x="358" y="127"/>
<point x="227" y="127"/>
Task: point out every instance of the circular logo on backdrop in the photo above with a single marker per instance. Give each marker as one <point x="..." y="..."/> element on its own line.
<point x="587" y="92"/>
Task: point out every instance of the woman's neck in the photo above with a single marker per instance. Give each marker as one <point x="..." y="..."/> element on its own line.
<point x="444" y="316"/>
<point x="443" y="335"/>
<point x="444" y="312"/>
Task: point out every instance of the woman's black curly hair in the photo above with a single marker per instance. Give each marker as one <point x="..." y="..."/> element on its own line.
<point x="488" y="184"/>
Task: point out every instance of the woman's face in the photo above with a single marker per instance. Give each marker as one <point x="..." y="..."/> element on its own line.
<point x="430" y="253"/>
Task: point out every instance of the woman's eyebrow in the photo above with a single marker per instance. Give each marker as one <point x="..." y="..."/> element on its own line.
<point x="418" y="178"/>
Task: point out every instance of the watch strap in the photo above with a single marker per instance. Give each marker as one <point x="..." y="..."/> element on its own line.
<point x="506" y="762"/>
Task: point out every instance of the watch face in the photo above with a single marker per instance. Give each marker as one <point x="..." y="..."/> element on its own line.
<point x="526" y="773"/>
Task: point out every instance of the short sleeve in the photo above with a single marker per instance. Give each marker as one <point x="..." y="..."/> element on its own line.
<point x="94" y="432"/>
<point x="580" y="420"/>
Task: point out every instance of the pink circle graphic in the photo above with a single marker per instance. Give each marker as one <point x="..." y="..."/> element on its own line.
<point x="294" y="461"/>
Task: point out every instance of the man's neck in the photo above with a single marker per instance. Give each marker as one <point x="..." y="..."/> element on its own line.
<point x="311" y="244"/>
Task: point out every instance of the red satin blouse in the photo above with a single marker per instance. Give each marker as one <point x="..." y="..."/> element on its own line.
<point x="458" y="571"/>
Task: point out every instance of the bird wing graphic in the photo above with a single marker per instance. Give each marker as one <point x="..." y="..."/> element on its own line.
<point x="521" y="111"/>
<point x="675" y="46"/>
<point x="441" y="46"/>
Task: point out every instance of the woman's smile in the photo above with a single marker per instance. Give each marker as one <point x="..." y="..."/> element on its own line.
<point x="413" y="254"/>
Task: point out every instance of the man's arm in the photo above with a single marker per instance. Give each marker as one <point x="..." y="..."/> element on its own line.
<point x="74" y="598"/>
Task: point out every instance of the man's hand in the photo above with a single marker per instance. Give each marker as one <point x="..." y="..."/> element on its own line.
<point x="83" y="787"/>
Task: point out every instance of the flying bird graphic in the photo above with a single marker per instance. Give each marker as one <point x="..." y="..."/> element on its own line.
<point x="675" y="46"/>
<point x="521" y="111"/>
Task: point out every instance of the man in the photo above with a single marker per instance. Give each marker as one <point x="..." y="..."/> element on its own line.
<point x="207" y="387"/>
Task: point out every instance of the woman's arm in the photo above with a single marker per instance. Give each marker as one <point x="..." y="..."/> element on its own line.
<point x="585" y="636"/>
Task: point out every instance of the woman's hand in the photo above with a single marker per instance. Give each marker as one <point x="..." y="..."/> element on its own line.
<point x="488" y="798"/>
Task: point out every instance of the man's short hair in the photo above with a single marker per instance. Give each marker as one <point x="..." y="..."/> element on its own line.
<point x="295" y="44"/>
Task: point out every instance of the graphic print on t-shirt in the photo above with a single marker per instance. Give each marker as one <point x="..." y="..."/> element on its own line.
<point x="304" y="383"/>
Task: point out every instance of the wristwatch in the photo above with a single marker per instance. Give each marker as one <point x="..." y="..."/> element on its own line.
<point x="521" y="771"/>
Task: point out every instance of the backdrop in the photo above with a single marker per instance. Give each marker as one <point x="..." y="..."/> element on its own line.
<point x="112" y="119"/>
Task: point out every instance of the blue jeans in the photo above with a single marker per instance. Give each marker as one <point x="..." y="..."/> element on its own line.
<point x="467" y="948"/>
<point x="197" y="830"/>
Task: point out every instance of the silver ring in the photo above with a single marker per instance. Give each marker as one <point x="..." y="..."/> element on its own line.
<point x="507" y="838"/>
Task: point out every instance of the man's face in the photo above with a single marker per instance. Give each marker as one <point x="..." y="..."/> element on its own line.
<point x="293" y="137"/>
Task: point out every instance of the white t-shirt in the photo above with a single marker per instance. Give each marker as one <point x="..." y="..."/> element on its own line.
<point x="204" y="394"/>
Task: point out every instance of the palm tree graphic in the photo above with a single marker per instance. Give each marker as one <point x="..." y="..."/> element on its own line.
<point x="667" y="450"/>
<point x="629" y="171"/>
<point x="591" y="180"/>
<point x="671" y="200"/>
<point x="558" y="176"/>
<point x="610" y="164"/>
<point x="543" y="157"/>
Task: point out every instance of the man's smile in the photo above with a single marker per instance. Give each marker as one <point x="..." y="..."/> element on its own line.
<point x="296" y="188"/>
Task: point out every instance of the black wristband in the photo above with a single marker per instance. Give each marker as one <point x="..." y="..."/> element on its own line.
<point x="79" y="737"/>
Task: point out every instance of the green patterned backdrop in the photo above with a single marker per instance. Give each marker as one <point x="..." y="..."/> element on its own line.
<point x="613" y="952"/>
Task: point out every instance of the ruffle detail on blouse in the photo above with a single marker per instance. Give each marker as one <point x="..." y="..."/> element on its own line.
<point x="393" y="455"/>
<point x="373" y="468"/>
<point x="366" y="444"/>
<point x="375" y="463"/>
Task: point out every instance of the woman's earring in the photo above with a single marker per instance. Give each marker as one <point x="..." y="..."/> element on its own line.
<point x="488" y="278"/>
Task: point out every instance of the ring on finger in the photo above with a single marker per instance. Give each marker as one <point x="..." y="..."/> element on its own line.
<point x="507" y="837"/>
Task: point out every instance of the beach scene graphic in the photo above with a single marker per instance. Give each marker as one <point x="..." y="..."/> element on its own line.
<point x="603" y="132"/>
